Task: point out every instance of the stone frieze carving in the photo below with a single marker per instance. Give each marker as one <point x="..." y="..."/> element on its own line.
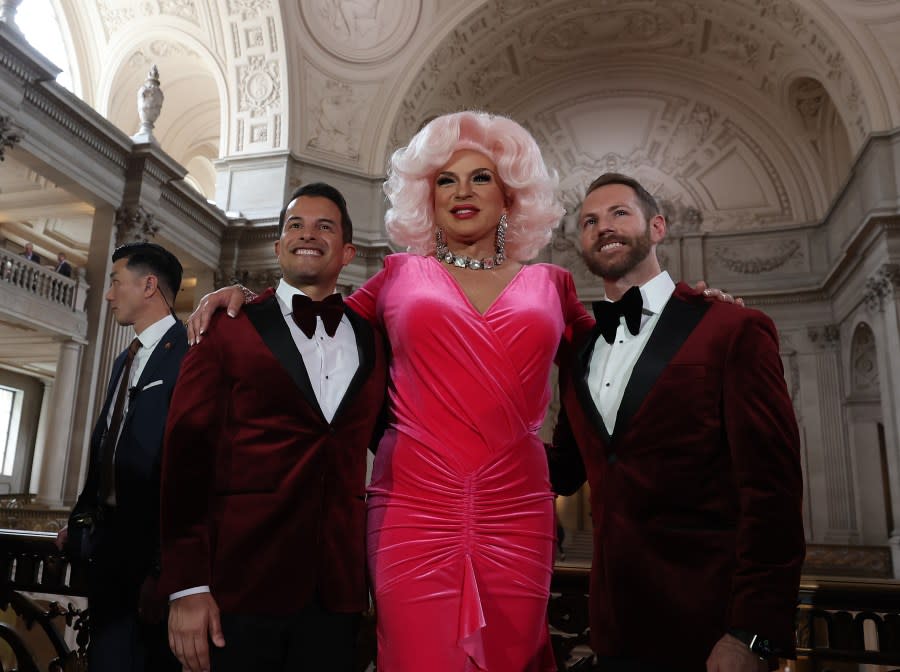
<point x="361" y="30"/>
<point x="565" y="252"/>
<point x="249" y="9"/>
<point x="881" y="286"/>
<point x="259" y="84"/>
<point x="680" y="218"/>
<point x="112" y="19"/>
<point x="9" y="137"/>
<point x="114" y="16"/>
<point x="338" y="116"/>
<point x="864" y="361"/>
<point x="777" y="256"/>
<point x="183" y="9"/>
<point x="134" y="224"/>
<point x="825" y="335"/>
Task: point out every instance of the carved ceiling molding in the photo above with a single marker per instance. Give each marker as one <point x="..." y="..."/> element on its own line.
<point x="761" y="258"/>
<point x="335" y="114"/>
<point x="114" y="17"/>
<point x="758" y="42"/>
<point x="683" y="149"/>
<point x="366" y="31"/>
<point x="256" y="56"/>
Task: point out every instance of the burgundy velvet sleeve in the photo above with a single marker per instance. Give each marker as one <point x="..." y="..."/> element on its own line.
<point x="193" y="428"/>
<point x="765" y="448"/>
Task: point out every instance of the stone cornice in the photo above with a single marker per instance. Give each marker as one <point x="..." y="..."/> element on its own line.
<point x="91" y="129"/>
<point x="190" y="204"/>
<point x="23" y="61"/>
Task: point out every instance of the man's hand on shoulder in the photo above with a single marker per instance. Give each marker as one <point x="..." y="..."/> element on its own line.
<point x="732" y="655"/>
<point x="193" y="621"/>
<point x="231" y="298"/>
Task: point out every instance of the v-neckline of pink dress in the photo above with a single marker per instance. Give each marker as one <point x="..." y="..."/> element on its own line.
<point x="465" y="297"/>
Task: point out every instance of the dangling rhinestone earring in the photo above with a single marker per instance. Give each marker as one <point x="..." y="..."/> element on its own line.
<point x="500" y="257"/>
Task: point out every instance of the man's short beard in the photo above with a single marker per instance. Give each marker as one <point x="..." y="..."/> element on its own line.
<point x="638" y="250"/>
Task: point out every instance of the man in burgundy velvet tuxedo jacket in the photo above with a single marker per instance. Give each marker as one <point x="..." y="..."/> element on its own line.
<point x="688" y="440"/>
<point x="263" y="489"/>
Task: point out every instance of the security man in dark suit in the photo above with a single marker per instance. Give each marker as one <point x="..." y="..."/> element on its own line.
<point x="115" y="523"/>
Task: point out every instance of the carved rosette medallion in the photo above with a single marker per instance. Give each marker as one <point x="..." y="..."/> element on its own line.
<point x="361" y="31"/>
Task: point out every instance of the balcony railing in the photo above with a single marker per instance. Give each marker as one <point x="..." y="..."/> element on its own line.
<point x="841" y="624"/>
<point x="42" y="282"/>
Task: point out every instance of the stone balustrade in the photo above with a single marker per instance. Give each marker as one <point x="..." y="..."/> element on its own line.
<point x="42" y="281"/>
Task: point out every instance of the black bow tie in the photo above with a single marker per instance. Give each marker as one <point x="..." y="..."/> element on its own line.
<point x="330" y="309"/>
<point x="609" y="312"/>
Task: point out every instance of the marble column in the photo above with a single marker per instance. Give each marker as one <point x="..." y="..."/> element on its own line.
<point x="829" y="467"/>
<point x="40" y="438"/>
<point x="51" y="479"/>
<point x="882" y="297"/>
<point x="91" y="387"/>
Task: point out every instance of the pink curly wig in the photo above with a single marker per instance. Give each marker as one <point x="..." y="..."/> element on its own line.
<point x="534" y="210"/>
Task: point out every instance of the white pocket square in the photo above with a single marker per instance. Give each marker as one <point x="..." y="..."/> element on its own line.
<point x="153" y="384"/>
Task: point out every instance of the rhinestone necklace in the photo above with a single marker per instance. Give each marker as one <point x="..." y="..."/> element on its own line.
<point x="443" y="252"/>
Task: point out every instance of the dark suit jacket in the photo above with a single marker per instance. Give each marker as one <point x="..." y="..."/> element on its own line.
<point x="133" y="551"/>
<point x="696" y="496"/>
<point x="64" y="268"/>
<point x="263" y="499"/>
<point x="35" y="257"/>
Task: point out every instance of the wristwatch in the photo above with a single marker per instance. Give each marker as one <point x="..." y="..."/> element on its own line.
<point x="757" y="644"/>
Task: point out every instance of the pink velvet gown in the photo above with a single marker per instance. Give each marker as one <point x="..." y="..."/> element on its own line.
<point x="460" y="513"/>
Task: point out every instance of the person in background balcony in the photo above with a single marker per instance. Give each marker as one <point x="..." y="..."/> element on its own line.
<point x="688" y="439"/>
<point x="30" y="254"/>
<point x="115" y="522"/>
<point x="63" y="267"/>
<point x="263" y="486"/>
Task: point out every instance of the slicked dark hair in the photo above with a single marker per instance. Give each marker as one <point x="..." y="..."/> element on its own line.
<point x="152" y="259"/>
<point x="322" y="190"/>
<point x="646" y="202"/>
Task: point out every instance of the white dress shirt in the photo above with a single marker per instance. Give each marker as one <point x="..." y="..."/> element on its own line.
<point x="331" y="363"/>
<point x="611" y="364"/>
<point x="149" y="338"/>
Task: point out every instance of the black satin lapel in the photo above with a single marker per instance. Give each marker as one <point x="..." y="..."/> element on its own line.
<point x="267" y="319"/>
<point x="365" y="346"/>
<point x="581" y="367"/>
<point x="675" y="324"/>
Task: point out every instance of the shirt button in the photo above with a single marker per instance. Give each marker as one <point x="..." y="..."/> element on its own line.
<point x="621" y="341"/>
<point x="608" y="384"/>
<point x="326" y="377"/>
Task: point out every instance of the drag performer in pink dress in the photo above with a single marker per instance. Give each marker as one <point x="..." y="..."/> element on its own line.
<point x="460" y="525"/>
